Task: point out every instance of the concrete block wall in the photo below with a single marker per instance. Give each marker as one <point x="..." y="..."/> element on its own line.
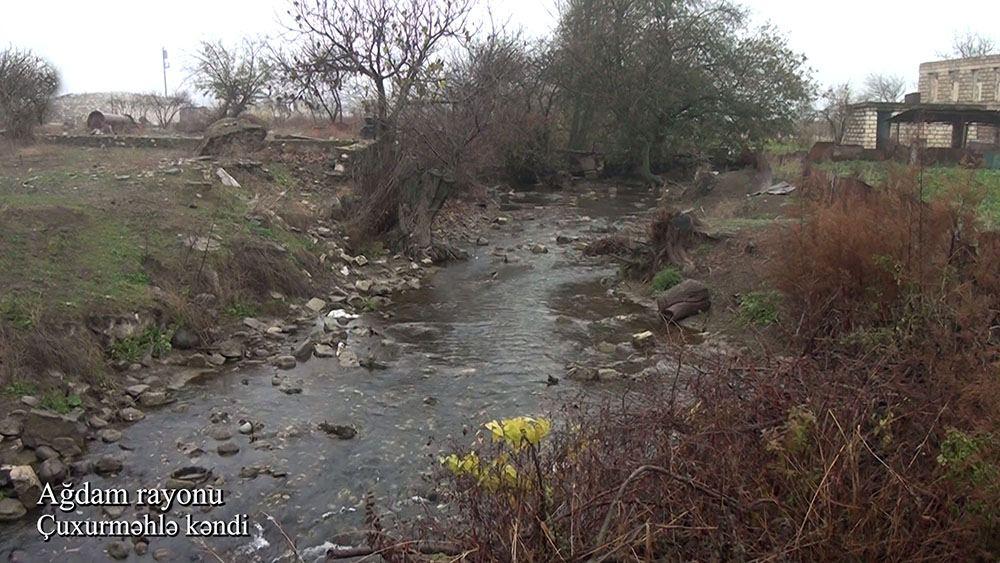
<point x="937" y="135"/>
<point x="972" y="75"/>
<point x="861" y="128"/>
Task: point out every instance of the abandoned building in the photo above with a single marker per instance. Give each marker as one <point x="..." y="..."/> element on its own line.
<point x="957" y="106"/>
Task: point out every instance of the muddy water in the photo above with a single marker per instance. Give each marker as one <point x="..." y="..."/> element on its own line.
<point x="478" y="342"/>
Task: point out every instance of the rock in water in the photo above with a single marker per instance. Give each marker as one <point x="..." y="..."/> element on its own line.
<point x="131" y="414"/>
<point x="109" y="435"/>
<point x="685" y="299"/>
<point x="118" y="550"/>
<point x="304" y="351"/>
<point x="52" y="471"/>
<point x="228" y="449"/>
<point x="324" y="351"/>
<point x="11" y="509"/>
<point x="284" y="362"/>
<point x="341" y="431"/>
<point x="108" y="465"/>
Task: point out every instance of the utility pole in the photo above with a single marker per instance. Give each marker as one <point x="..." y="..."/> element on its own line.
<point x="166" y="65"/>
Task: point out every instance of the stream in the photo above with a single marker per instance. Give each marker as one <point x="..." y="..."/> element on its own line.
<point x="479" y="341"/>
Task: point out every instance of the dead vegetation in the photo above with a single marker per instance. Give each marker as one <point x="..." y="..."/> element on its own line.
<point x="875" y="442"/>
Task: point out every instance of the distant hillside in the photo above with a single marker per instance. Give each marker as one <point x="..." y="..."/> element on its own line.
<point x="75" y="107"/>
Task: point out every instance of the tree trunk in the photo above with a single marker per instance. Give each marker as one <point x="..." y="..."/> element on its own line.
<point x="421" y="197"/>
<point x="644" y="169"/>
<point x="685" y="299"/>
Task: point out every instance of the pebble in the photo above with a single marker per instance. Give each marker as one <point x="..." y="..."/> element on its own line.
<point x="284" y="362"/>
<point x="131" y="414"/>
<point x="108" y="465"/>
<point x="109" y="435"/>
<point x="11" y="427"/>
<point x="11" y="509"/>
<point x="118" y="550"/>
<point x="220" y="433"/>
<point x="228" y="449"/>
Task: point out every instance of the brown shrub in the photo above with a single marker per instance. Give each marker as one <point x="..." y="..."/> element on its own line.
<point x="852" y="260"/>
<point x="872" y="452"/>
<point x="255" y="269"/>
<point x="49" y="344"/>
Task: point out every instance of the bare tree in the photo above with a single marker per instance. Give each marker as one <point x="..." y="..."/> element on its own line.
<point x="27" y="86"/>
<point x="884" y="87"/>
<point x="836" y="109"/>
<point x="166" y="108"/>
<point x="969" y="44"/>
<point x="388" y="44"/>
<point x="237" y="77"/>
<point x="303" y="77"/>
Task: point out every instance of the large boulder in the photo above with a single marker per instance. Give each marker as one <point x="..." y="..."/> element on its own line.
<point x="232" y="136"/>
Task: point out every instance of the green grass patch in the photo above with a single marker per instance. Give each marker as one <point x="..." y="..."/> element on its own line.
<point x="20" y="389"/>
<point x="241" y="309"/>
<point x="759" y="307"/>
<point x="779" y="147"/>
<point x="665" y="279"/>
<point x="369" y="304"/>
<point x="132" y="348"/>
<point x="283" y="177"/>
<point x="62" y="404"/>
<point x="935" y="180"/>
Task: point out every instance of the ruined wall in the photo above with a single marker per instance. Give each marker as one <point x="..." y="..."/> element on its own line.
<point x="966" y="81"/>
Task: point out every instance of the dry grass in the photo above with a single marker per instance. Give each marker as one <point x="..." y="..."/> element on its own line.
<point x="877" y="444"/>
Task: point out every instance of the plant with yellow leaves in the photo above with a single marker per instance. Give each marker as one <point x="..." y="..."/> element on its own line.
<point x="516" y="433"/>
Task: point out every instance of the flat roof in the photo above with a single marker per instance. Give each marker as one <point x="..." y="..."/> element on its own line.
<point x="947" y="113"/>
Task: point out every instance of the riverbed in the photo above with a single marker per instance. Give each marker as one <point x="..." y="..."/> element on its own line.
<point x="485" y="338"/>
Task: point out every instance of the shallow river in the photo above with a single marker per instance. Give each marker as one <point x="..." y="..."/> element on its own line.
<point x="478" y="342"/>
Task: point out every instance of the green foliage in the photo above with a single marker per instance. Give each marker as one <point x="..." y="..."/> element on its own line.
<point x="60" y="403"/>
<point x="666" y="278"/>
<point x="17" y="311"/>
<point x="241" y="309"/>
<point x="967" y="459"/>
<point x="937" y="180"/>
<point x="780" y="147"/>
<point x="795" y="436"/>
<point x="759" y="307"/>
<point x="132" y="348"/>
<point x="694" y="77"/>
<point x="20" y="389"/>
<point x="369" y="304"/>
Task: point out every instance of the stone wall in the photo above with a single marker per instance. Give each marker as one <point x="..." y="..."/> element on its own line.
<point x="974" y="80"/>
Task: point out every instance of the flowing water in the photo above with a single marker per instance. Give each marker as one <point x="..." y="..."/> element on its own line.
<point x="478" y="342"/>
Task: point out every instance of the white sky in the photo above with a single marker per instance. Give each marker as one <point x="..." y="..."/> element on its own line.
<point x="114" y="45"/>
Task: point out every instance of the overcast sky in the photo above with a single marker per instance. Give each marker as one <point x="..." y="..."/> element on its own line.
<point x="114" y="45"/>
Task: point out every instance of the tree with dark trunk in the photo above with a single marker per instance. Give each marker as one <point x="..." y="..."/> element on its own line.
<point x="648" y="76"/>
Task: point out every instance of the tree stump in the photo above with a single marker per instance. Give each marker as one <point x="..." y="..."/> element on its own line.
<point x="685" y="299"/>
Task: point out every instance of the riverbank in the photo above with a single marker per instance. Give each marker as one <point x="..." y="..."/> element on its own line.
<point x="302" y="436"/>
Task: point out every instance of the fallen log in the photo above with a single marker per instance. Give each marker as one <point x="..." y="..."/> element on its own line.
<point x="685" y="299"/>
